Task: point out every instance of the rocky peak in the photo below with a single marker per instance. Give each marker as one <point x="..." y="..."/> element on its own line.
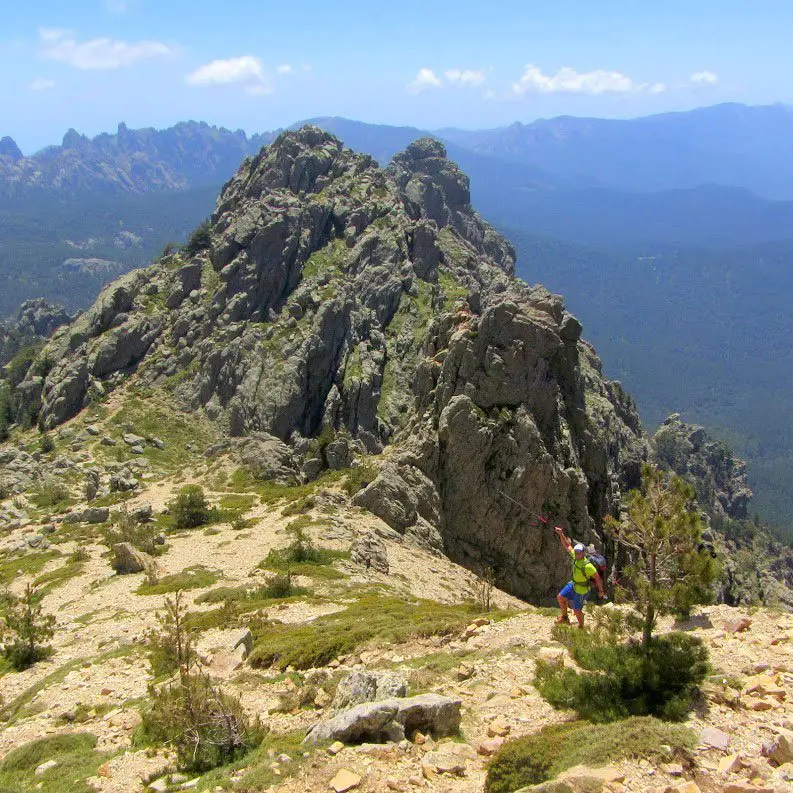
<point x="329" y="295"/>
<point x="74" y="140"/>
<point x="9" y="148"/>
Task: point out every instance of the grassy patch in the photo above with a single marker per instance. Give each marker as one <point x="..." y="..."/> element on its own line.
<point x="76" y="757"/>
<point x="30" y="564"/>
<point x="372" y="618"/>
<point x="237" y="501"/>
<point x="452" y="289"/>
<point x="429" y="669"/>
<point x="540" y="757"/>
<point x="155" y="418"/>
<point x="255" y="770"/>
<point x="52" y="580"/>
<point x="271" y="493"/>
<point x="196" y="577"/>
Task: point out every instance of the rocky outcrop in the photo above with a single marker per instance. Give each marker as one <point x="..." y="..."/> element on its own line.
<point x="369" y="686"/>
<point x="391" y="720"/>
<point x="755" y="567"/>
<point x="718" y="477"/>
<point x="35" y="321"/>
<point x="336" y="300"/>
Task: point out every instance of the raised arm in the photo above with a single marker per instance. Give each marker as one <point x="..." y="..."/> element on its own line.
<point x="564" y="539"/>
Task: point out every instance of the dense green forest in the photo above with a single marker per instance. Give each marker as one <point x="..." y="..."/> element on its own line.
<point x="66" y="248"/>
<point x="698" y="331"/>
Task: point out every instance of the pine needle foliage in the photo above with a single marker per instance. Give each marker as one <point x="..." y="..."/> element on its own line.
<point x="668" y="570"/>
<point x="26" y="629"/>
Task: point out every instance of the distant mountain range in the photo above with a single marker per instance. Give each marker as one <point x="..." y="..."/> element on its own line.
<point x="671" y="236"/>
<point x="190" y="154"/>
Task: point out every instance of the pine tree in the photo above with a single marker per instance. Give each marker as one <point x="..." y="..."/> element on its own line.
<point x="661" y="530"/>
<point x="25" y="630"/>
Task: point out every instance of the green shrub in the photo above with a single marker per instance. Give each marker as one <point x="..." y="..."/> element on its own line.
<point x="46" y="444"/>
<point x="190" y="508"/>
<point x="205" y="726"/>
<point x="50" y="494"/>
<point x="195" y="577"/>
<point x="199" y="240"/>
<point x="25" y="628"/>
<point x="18" y="367"/>
<point x="540" y="757"/>
<point x="6" y="410"/>
<point x="278" y="586"/>
<point x="302" y="557"/>
<point x="358" y="478"/>
<point x="139" y="535"/>
<point x="622" y="679"/>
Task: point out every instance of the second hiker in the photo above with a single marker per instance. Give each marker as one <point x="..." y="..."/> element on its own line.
<point x="578" y="591"/>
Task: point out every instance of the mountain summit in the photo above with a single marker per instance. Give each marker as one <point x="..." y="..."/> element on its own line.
<point x="329" y="298"/>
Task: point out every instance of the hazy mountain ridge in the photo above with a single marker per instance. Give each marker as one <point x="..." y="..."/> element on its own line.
<point x="189" y="154"/>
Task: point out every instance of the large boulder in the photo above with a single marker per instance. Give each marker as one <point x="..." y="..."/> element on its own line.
<point x="365" y="686"/>
<point x="127" y="559"/>
<point x="369" y="551"/>
<point x="391" y="719"/>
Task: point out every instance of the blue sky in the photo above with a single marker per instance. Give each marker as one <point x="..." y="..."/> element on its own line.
<point x="257" y="65"/>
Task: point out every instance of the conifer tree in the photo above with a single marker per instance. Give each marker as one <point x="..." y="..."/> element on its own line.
<point x="668" y="570"/>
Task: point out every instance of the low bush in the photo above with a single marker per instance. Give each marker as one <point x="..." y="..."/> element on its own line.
<point x="26" y="629"/>
<point x="358" y="478"/>
<point x="50" y="494"/>
<point x="302" y="557"/>
<point x="139" y="535"/>
<point x="205" y="726"/>
<point x="200" y="239"/>
<point x="195" y="577"/>
<point x="190" y="508"/>
<point x="622" y="679"/>
<point x="540" y="757"/>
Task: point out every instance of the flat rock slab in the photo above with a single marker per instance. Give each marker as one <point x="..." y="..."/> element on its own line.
<point x="714" y="738"/>
<point x="344" y="780"/>
<point x="390" y="719"/>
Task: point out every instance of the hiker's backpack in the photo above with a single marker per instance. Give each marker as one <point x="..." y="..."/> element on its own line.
<point x="601" y="566"/>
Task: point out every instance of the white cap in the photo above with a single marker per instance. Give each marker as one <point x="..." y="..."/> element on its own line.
<point x="579" y="547"/>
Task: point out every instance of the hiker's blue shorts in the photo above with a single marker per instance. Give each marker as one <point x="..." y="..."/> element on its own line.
<point x="574" y="598"/>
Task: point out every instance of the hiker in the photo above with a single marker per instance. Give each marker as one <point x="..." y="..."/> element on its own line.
<point x="578" y="591"/>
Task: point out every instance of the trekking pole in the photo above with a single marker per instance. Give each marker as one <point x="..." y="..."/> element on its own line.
<point x="523" y="507"/>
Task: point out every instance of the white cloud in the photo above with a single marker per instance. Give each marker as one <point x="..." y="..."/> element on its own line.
<point x="285" y="68"/>
<point x="426" y="78"/>
<point x="41" y="84"/>
<point x="704" y="79"/>
<point x="467" y="78"/>
<point x="247" y="71"/>
<point x="97" y="54"/>
<point x="569" y="81"/>
<point x="223" y="71"/>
